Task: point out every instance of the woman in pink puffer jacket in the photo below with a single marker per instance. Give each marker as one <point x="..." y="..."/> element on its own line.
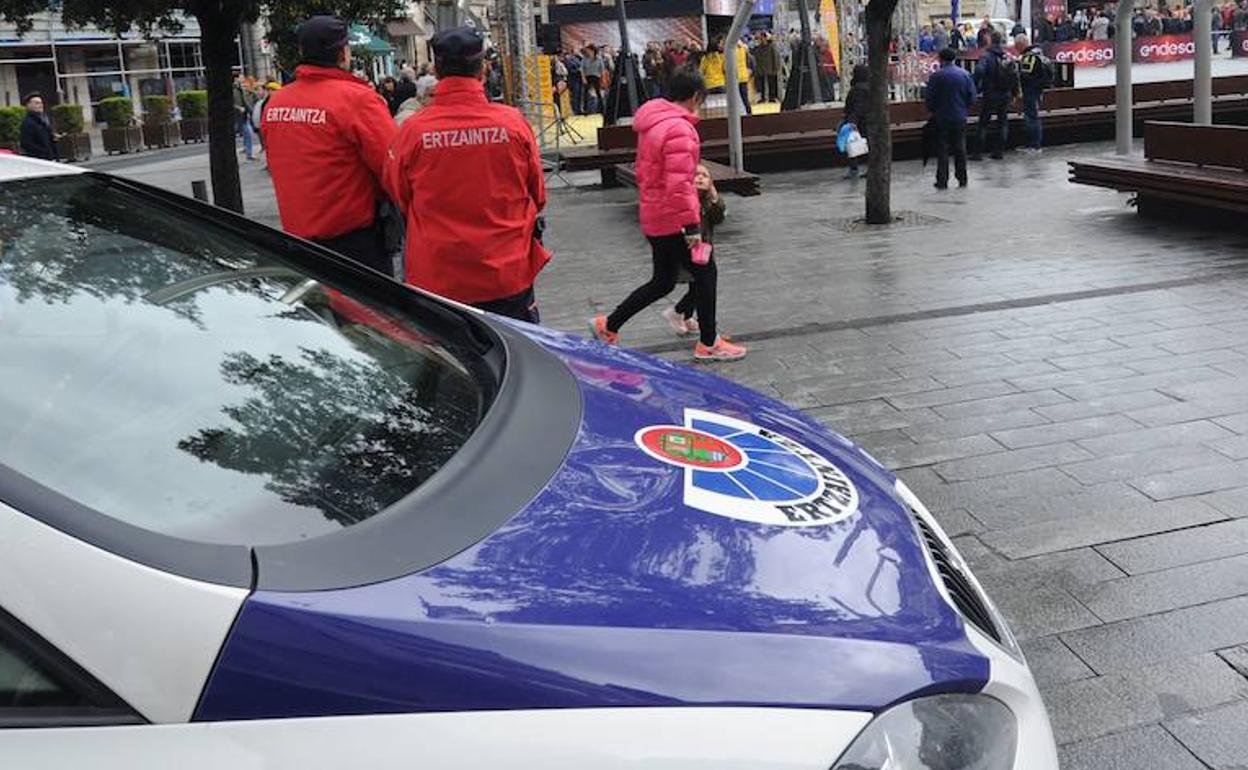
<point x="668" y="153"/>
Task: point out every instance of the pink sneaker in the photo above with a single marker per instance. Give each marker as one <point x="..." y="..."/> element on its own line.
<point x="598" y="327"/>
<point x="722" y="350"/>
<point x="676" y="321"/>
<point x="691" y="325"/>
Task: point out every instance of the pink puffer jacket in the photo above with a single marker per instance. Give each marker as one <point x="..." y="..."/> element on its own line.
<point x="668" y="153"/>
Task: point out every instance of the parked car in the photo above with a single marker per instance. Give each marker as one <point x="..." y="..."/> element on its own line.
<point x="262" y="507"/>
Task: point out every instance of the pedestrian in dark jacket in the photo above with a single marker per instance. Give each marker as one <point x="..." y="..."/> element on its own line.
<point x="997" y="82"/>
<point x="950" y="96"/>
<point x="856" y="103"/>
<point x="37" y="138"/>
<point x="767" y="57"/>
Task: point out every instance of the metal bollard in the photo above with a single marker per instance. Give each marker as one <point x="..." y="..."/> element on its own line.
<point x="199" y="189"/>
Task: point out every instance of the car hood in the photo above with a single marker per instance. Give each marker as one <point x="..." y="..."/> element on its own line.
<point x="772" y="563"/>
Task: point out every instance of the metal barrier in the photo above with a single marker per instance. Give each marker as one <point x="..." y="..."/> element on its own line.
<point x="550" y="126"/>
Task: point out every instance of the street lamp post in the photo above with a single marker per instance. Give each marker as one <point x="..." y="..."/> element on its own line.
<point x="1203" y="84"/>
<point x="736" y="152"/>
<point x="1122" y="81"/>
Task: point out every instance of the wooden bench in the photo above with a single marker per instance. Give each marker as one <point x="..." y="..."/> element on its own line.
<point x="726" y="179"/>
<point x="807" y="138"/>
<point x="1187" y="172"/>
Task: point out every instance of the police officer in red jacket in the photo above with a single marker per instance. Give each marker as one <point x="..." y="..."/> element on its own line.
<point x="327" y="135"/>
<point x="467" y="174"/>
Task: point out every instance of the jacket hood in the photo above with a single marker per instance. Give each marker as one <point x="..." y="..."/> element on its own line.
<point x="657" y="111"/>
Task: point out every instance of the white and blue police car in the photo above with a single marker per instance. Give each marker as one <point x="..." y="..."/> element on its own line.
<point x="263" y="508"/>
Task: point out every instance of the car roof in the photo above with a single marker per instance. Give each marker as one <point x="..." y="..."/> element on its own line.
<point x="18" y="167"/>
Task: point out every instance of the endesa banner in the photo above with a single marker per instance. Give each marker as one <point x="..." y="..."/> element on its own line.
<point x="1083" y="53"/>
<point x="1145" y="50"/>
<point x="1163" y="48"/>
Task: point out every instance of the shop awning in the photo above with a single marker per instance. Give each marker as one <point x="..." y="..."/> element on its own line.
<point x="362" y="40"/>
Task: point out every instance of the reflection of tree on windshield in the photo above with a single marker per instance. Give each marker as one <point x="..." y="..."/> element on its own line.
<point x="63" y="237"/>
<point x="347" y="437"/>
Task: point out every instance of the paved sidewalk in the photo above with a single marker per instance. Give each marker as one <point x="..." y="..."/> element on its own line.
<point x="1065" y="385"/>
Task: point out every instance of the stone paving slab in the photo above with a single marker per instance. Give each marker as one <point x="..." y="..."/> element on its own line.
<point x="1064" y="385"/>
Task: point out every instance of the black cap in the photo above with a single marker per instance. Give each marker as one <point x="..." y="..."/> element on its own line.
<point x="321" y="38"/>
<point x="464" y="43"/>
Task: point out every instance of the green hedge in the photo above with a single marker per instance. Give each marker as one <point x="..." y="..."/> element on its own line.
<point x="157" y="109"/>
<point x="116" y="111"/>
<point x="67" y="118"/>
<point x="11" y="123"/>
<point x="193" y="104"/>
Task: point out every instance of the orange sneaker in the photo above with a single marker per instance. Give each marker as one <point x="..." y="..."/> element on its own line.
<point x="722" y="350"/>
<point x="598" y="328"/>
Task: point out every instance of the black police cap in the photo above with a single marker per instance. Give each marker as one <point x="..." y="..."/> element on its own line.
<point x="458" y="43"/>
<point x="321" y="38"/>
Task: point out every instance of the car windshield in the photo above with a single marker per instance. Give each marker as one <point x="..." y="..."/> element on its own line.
<point x="179" y="376"/>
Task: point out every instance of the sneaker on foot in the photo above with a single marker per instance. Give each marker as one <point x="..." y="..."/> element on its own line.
<point x="598" y="327"/>
<point x="722" y="350"/>
<point x="691" y="325"/>
<point x="676" y="321"/>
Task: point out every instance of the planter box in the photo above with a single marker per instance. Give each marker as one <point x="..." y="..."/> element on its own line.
<point x="160" y="134"/>
<point x="194" y="129"/>
<point x="122" y="140"/>
<point x="74" y="147"/>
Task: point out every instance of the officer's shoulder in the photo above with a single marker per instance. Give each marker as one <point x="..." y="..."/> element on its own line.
<point x="509" y="116"/>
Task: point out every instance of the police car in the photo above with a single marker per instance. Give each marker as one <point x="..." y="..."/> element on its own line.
<point x="260" y="507"/>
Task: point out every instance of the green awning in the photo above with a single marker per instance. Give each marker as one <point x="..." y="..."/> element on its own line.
<point x="363" y="40"/>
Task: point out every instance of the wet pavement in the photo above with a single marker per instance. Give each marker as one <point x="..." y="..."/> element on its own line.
<point x="1065" y="385"/>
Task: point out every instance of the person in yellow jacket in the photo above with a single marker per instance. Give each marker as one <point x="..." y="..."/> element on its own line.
<point x="743" y="74"/>
<point x="712" y="67"/>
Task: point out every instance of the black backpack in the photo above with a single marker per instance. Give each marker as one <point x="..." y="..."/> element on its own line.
<point x="1037" y="69"/>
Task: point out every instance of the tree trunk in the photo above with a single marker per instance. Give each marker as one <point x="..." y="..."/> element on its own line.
<point x="879" y="132"/>
<point x="217" y="31"/>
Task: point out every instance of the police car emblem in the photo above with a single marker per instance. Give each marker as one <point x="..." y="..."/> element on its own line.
<point x="736" y="469"/>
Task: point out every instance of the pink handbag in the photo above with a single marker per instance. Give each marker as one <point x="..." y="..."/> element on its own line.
<point x="701" y="253"/>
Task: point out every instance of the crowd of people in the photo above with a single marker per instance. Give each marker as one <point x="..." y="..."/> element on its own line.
<point x="763" y="63"/>
<point x="456" y="191"/>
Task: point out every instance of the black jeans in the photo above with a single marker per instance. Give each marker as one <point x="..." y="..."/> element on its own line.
<point x="522" y="306"/>
<point x="744" y="90"/>
<point x="950" y="138"/>
<point x="594" y="83"/>
<point x="670" y="253"/>
<point x="1000" y="109"/>
<point x="366" y="246"/>
<point x="769" y="88"/>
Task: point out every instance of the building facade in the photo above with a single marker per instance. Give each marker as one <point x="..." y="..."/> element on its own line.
<point x="83" y="66"/>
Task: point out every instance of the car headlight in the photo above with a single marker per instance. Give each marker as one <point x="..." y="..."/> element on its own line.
<point x="941" y="732"/>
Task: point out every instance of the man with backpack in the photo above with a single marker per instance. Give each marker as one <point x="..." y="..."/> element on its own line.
<point x="997" y="80"/>
<point x="1035" y="74"/>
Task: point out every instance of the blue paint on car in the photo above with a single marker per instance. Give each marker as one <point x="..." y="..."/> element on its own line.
<point x="608" y="590"/>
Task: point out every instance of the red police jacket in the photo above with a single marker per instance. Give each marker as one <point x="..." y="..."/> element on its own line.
<point x="326" y="136"/>
<point x="468" y="176"/>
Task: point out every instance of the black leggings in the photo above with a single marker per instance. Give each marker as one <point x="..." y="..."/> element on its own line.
<point x="688" y="303"/>
<point x="670" y="253"/>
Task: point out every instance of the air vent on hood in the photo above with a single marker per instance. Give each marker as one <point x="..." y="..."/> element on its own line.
<point x="961" y="590"/>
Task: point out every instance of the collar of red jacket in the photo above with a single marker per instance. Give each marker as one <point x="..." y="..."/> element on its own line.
<point x="320" y="72"/>
<point x="460" y="89"/>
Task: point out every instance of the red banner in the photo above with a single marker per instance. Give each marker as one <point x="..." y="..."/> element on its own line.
<point x="1083" y="53"/>
<point x="1239" y="43"/>
<point x="1164" y="48"/>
